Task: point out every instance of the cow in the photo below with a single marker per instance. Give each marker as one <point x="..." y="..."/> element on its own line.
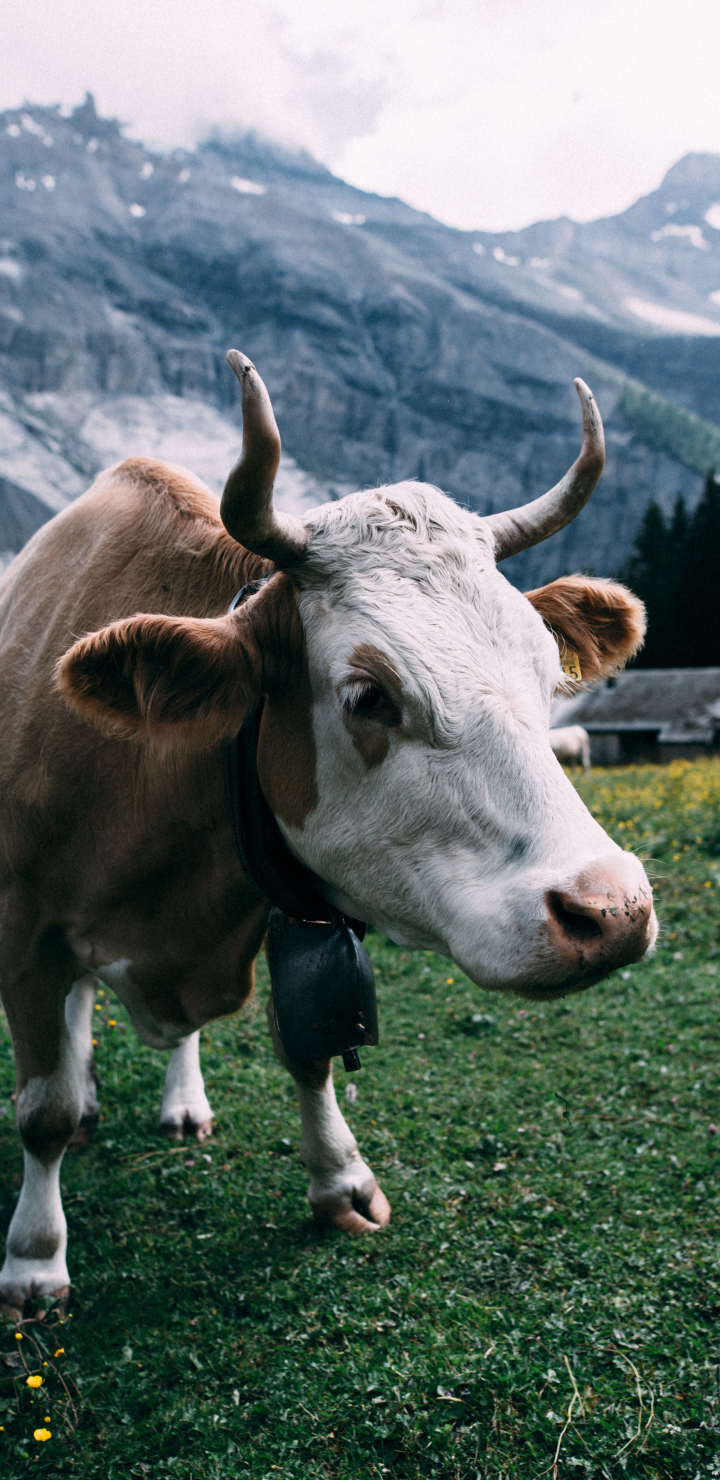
<point x="402" y="749"/>
<point x="572" y="745"/>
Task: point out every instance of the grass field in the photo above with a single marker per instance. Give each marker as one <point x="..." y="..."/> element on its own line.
<point x="546" y="1298"/>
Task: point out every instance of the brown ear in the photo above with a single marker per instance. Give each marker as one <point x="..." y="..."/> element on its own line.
<point x="601" y="620"/>
<point x="150" y="675"/>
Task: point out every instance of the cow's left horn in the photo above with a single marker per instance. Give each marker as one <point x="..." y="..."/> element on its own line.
<point x="247" y="509"/>
<point x="518" y="529"/>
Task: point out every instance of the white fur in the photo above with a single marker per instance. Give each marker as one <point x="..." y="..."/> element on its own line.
<point x="330" y="1152"/>
<point x="39" y="1214"/>
<point x="79" y="1005"/>
<point x="184" y="1100"/>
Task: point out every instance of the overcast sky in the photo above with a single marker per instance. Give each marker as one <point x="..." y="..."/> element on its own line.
<point x="488" y="113"/>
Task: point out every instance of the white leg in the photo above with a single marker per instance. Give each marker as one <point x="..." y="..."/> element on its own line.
<point x="37" y="1239"/>
<point x="184" y="1102"/>
<point x="79" y="1006"/>
<point x="48" y="1111"/>
<point x="342" y="1186"/>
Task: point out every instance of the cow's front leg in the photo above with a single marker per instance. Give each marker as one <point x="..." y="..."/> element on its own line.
<point x="184" y="1103"/>
<point x="342" y="1187"/>
<point x="51" y="1100"/>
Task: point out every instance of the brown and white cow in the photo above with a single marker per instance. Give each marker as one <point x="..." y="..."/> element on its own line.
<point x="403" y="750"/>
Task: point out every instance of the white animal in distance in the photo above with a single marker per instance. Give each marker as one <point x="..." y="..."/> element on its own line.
<point x="571" y="745"/>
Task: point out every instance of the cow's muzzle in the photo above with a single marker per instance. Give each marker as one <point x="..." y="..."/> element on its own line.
<point x="602" y="920"/>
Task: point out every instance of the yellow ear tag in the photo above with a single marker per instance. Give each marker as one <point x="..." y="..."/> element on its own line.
<point x="570" y="663"/>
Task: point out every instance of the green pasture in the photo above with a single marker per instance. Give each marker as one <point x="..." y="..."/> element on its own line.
<point x="546" y="1298"/>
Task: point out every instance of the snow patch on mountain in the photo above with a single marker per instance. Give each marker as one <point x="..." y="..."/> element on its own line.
<point x="673" y="320"/>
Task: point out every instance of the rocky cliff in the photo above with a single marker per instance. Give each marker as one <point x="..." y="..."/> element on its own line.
<point x="393" y="346"/>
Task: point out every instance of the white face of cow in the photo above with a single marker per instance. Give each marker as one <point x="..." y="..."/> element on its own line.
<point x="442" y="815"/>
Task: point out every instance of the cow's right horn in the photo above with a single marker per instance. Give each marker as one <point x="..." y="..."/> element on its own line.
<point x="247" y="509"/>
<point x="518" y="529"/>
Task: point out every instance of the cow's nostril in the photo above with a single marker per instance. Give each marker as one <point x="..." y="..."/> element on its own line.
<point x="574" y="922"/>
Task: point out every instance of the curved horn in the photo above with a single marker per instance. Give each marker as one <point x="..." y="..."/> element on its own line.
<point x="518" y="529"/>
<point x="247" y="503"/>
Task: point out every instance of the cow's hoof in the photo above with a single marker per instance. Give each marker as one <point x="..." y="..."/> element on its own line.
<point x="17" y="1307"/>
<point x="85" y="1131"/>
<point x="361" y="1211"/>
<point x="174" y="1131"/>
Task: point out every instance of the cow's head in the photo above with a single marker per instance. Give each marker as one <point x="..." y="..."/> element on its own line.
<point x="404" y="743"/>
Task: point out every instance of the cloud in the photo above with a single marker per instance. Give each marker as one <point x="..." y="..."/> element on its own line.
<point x="524" y="111"/>
<point x="173" y="69"/>
<point x="485" y="112"/>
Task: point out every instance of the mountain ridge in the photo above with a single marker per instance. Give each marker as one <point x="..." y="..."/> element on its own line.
<point x="393" y="346"/>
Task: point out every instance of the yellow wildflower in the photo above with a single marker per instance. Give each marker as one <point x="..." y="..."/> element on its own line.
<point x="60" y="1352"/>
<point x="35" y="1380"/>
<point x="41" y="1435"/>
<point x="112" y="1023"/>
<point x="18" y="1335"/>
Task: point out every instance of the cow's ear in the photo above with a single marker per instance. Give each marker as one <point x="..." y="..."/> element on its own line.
<point x="158" y="675"/>
<point x="601" y="620"/>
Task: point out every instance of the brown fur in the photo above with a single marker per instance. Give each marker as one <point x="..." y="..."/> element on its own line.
<point x="121" y="845"/>
<point x="601" y="620"/>
<point x="371" y="661"/>
<point x="371" y="741"/>
<point x="369" y="732"/>
<point x="39" y="1246"/>
<point x="286" y="744"/>
<point x="182" y="678"/>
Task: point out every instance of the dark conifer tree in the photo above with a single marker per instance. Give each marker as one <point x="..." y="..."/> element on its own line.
<point x="675" y="569"/>
<point x="677" y="645"/>
<point x="647" y="573"/>
<point x="699" y="594"/>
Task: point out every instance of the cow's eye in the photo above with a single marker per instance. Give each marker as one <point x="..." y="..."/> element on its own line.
<point x="365" y="698"/>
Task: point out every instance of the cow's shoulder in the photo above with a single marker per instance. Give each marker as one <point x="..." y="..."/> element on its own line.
<point x="159" y="502"/>
<point x="160" y="487"/>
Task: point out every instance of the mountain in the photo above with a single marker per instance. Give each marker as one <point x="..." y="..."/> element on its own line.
<point x="393" y="346"/>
